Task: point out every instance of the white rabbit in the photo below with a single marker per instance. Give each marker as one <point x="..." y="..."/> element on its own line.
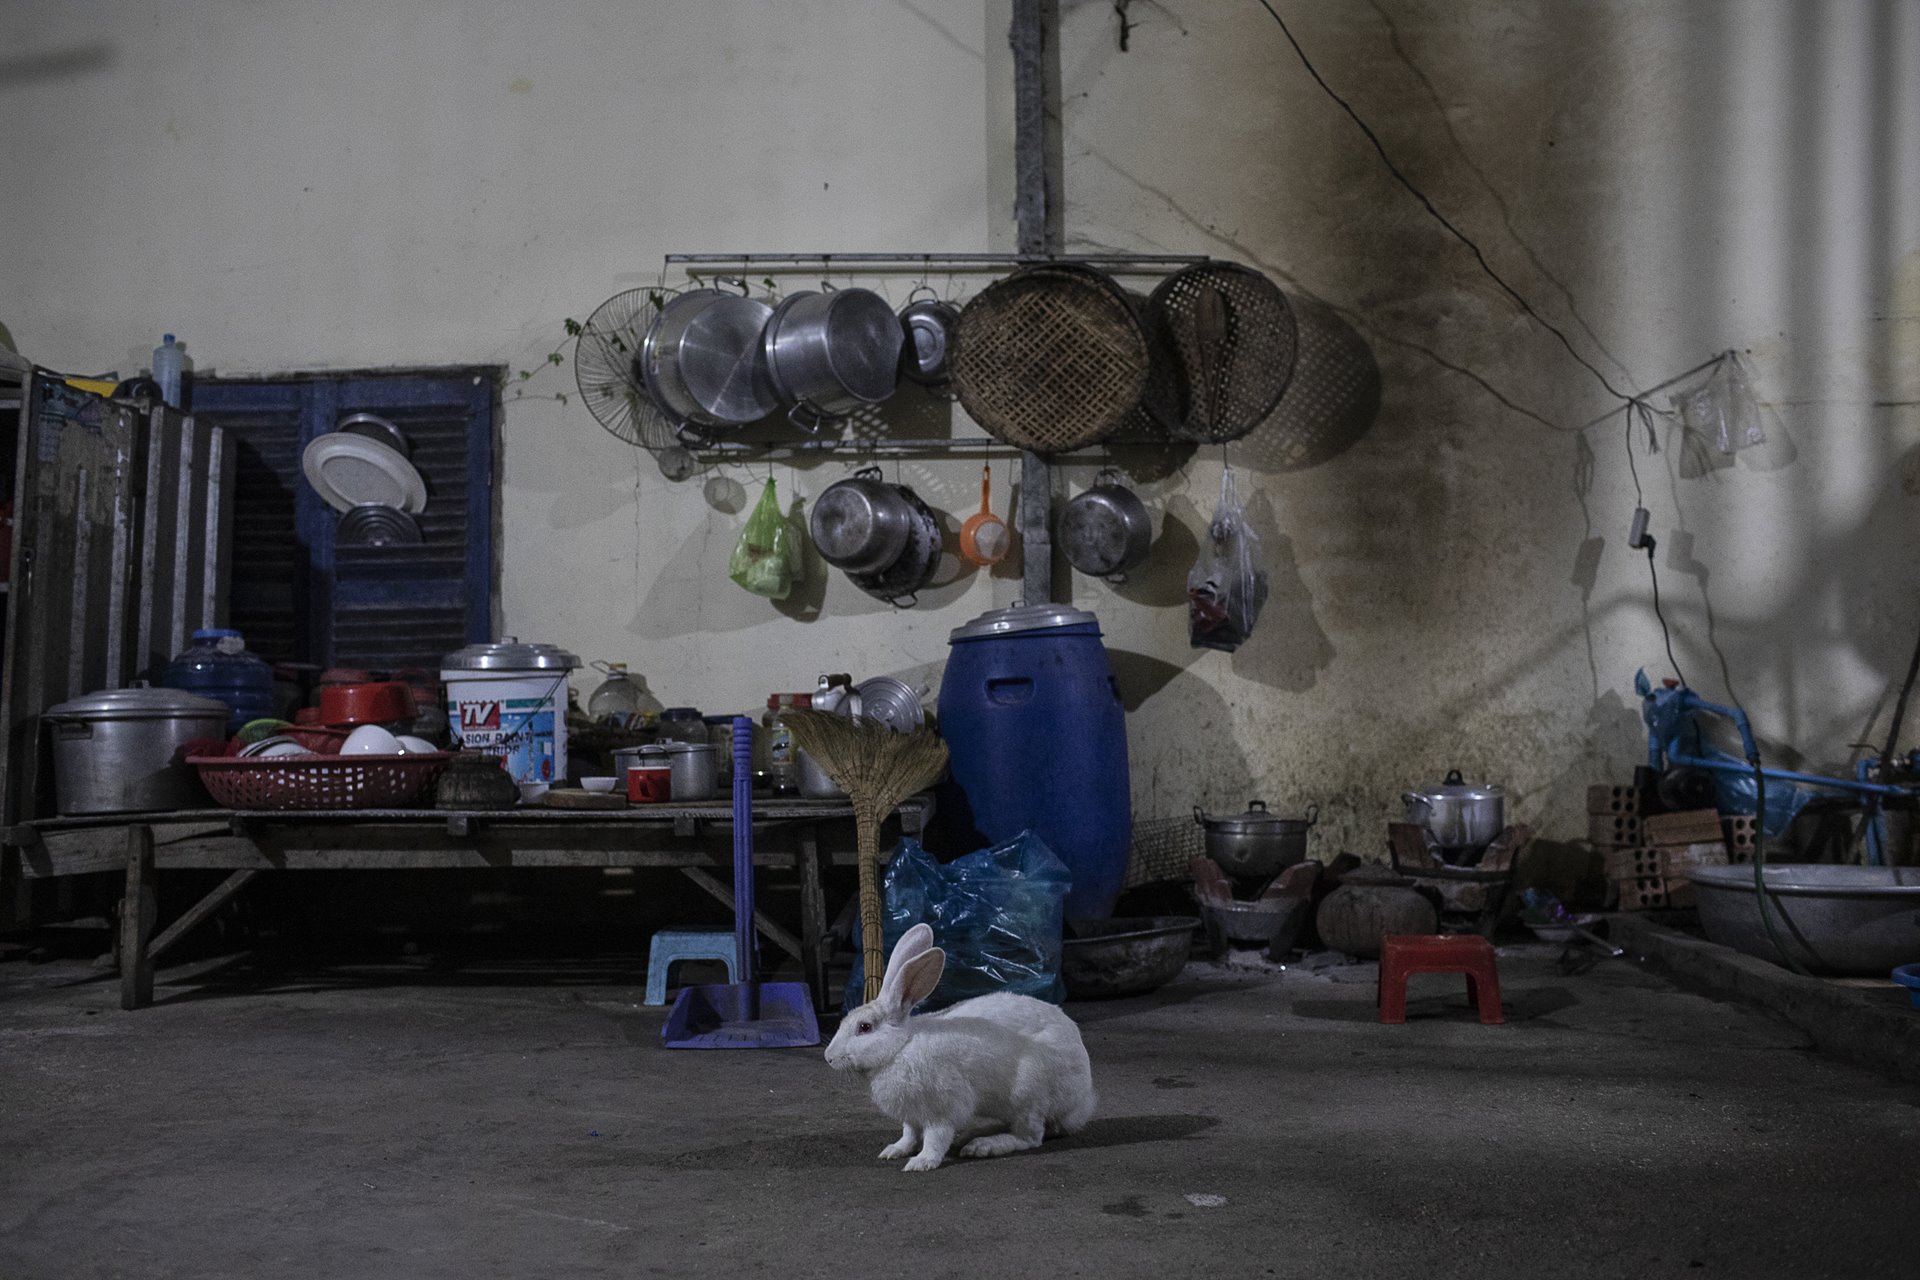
<point x="1002" y="1072"/>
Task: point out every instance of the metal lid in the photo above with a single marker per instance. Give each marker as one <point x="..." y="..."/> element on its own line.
<point x="1457" y="788"/>
<point x="891" y="702"/>
<point x="675" y="748"/>
<point x="1257" y="821"/>
<point x="140" y="704"/>
<point x="509" y="654"/>
<point x="1022" y="617"/>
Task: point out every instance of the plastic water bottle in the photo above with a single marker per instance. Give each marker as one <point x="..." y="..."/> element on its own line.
<point x="169" y="368"/>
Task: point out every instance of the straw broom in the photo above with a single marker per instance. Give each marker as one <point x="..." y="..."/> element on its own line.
<point x="877" y="768"/>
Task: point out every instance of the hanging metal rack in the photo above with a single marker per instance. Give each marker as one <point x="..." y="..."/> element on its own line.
<point x="711" y="450"/>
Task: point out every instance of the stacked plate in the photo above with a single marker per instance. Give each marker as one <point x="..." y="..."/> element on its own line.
<point x="362" y="470"/>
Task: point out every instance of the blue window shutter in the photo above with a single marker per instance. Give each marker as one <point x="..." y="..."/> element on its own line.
<point x="382" y="608"/>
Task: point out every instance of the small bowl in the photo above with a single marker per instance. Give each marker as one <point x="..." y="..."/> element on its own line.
<point x="370" y="740"/>
<point x="415" y="746"/>
<point x="530" y="792"/>
<point x="272" y="748"/>
<point x="599" y="786"/>
<point x="1560" y="930"/>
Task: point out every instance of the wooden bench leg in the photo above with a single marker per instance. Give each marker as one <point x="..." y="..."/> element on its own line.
<point x="813" y="915"/>
<point x="136" y="920"/>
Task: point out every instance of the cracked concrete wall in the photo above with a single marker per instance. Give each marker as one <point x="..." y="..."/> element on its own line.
<point x="1443" y="497"/>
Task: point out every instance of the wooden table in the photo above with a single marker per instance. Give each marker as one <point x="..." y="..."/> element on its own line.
<point x="693" y="838"/>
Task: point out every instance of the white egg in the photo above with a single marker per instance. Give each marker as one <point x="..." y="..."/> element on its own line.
<point x="370" y="740"/>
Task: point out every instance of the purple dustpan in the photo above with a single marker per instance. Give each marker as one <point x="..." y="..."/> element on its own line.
<point x="749" y="1014"/>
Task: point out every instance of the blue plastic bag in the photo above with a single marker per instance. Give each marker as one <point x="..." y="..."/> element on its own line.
<point x="996" y="913"/>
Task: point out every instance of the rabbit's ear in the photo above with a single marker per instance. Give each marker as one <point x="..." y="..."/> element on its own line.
<point x="915" y="941"/>
<point x="920" y="977"/>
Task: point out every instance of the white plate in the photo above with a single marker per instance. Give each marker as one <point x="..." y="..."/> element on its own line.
<point x="351" y="470"/>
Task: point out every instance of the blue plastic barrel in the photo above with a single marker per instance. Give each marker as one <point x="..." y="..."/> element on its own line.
<point x="217" y="665"/>
<point x="1038" y="737"/>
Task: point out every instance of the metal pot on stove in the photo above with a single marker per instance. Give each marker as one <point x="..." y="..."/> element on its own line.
<point x="1256" y="843"/>
<point x="1458" y="815"/>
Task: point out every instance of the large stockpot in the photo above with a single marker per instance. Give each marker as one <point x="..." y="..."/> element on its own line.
<point x="123" y="750"/>
<point x="702" y="359"/>
<point x="832" y="351"/>
<point x="861" y="524"/>
<point x="1106" y="531"/>
<point x="1458" y="815"/>
<point x="1256" y="843"/>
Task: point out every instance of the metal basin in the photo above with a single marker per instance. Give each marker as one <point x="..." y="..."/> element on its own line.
<point x="1102" y="958"/>
<point x="1833" y="919"/>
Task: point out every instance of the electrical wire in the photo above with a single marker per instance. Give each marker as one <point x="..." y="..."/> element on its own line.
<point x="1434" y="210"/>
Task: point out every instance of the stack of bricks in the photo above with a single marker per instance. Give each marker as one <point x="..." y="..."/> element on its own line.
<point x="1647" y="856"/>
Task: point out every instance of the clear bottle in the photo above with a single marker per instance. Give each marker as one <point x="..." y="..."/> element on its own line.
<point x="683" y="724"/>
<point x="621" y="697"/>
<point x="783" y="771"/>
<point x="169" y="369"/>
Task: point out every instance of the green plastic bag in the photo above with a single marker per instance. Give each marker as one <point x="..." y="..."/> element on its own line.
<point x="766" y="560"/>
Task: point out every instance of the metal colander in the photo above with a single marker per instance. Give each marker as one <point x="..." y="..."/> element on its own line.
<point x="1232" y="340"/>
<point x="1050" y="358"/>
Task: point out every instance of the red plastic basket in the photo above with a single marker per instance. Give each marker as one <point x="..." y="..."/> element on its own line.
<point x="319" y="782"/>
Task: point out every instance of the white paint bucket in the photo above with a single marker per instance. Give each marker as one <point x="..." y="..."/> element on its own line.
<point x="509" y="699"/>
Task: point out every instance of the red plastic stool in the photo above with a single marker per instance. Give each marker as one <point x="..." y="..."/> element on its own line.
<point x="1409" y="953"/>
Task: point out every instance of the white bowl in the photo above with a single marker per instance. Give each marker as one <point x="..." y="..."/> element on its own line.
<point x="370" y="740"/>
<point x="530" y="792"/>
<point x="600" y="785"/>
<point x="415" y="746"/>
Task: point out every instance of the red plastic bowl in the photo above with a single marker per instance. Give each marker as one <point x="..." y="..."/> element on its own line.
<point x="376" y="702"/>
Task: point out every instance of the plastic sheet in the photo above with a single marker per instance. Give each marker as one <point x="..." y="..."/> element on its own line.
<point x="996" y="913"/>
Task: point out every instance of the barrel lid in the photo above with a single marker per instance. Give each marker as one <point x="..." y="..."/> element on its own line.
<point x="680" y="713"/>
<point x="1021" y="617"/>
<point x="138" y="704"/>
<point x="508" y="653"/>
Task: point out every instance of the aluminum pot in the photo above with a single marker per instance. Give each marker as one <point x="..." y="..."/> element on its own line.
<point x="1457" y="814"/>
<point x="832" y="351"/>
<point x="862" y="524"/>
<point x="702" y="359"/>
<point x="124" y="750"/>
<point x="1106" y="530"/>
<point x="692" y="765"/>
<point x="1256" y="843"/>
<point x="929" y="325"/>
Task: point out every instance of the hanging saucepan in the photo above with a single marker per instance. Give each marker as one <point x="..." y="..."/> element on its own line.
<point x="702" y="359"/>
<point x="862" y="524"/>
<point x="928" y="323"/>
<point x="899" y="583"/>
<point x="1106" y="530"/>
<point x="831" y="352"/>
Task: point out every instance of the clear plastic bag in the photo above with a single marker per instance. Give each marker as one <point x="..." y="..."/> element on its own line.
<point x="1723" y="407"/>
<point x="767" y="556"/>
<point x="1227" y="584"/>
<point x="996" y="913"/>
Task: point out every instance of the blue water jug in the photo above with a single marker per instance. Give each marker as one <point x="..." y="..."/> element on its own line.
<point x="1038" y="737"/>
<point x="217" y="665"/>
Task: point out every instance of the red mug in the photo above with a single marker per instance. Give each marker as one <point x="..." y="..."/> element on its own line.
<point x="649" y="784"/>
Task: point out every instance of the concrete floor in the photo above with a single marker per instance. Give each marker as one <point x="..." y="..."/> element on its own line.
<point x="455" y="1120"/>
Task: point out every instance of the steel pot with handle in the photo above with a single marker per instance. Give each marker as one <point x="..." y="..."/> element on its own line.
<point x="1457" y="814"/>
<point x="929" y="324"/>
<point x="831" y="352"/>
<point x="1106" y="530"/>
<point x="1256" y="843"/>
<point x="862" y="524"/>
<point x="124" y="750"/>
<point x="703" y="362"/>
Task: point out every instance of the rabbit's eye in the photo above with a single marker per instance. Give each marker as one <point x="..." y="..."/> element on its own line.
<point x="863" y="1028"/>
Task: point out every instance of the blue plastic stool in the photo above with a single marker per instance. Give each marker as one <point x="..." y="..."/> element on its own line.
<point x="670" y="945"/>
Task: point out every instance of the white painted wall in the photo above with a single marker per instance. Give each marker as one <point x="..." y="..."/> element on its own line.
<point x="351" y="184"/>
